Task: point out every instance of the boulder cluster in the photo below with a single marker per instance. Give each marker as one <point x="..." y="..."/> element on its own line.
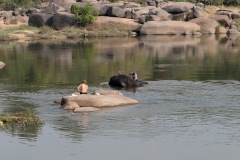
<point x="155" y="17"/>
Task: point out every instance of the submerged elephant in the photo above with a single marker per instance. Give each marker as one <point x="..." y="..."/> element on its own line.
<point x="124" y="81"/>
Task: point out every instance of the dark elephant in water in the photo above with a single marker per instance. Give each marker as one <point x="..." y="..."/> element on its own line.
<point x="124" y="81"/>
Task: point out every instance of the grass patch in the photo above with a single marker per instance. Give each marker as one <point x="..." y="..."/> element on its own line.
<point x="28" y="117"/>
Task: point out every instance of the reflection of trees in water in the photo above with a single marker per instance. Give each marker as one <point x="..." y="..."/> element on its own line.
<point x="26" y="132"/>
<point x="96" y="60"/>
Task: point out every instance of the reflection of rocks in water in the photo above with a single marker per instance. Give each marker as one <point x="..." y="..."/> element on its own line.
<point x="175" y="46"/>
<point x="27" y="132"/>
<point x="182" y="47"/>
<point x="55" y="53"/>
<point x="114" y="49"/>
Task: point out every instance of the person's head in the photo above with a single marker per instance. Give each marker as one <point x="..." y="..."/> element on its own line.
<point x="133" y="73"/>
<point x="84" y="81"/>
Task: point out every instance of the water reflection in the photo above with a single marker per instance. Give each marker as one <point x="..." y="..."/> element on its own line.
<point x="99" y="59"/>
<point x="37" y="73"/>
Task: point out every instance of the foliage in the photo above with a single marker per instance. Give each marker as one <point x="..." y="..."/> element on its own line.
<point x="12" y="4"/>
<point x="84" y="14"/>
<point x="29" y="116"/>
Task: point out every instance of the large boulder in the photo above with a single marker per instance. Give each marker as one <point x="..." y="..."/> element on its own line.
<point x="130" y="23"/>
<point x="224" y="20"/>
<point x="198" y="12"/>
<point x="61" y="20"/>
<point x="235" y="16"/>
<point x="231" y="32"/>
<point x="70" y="105"/>
<point x="39" y="19"/>
<point x="161" y="14"/>
<point x="225" y="12"/>
<point x="2" y="64"/>
<point x="180" y="16"/>
<point x="65" y="3"/>
<point x="208" y="26"/>
<point x="116" y="12"/>
<point x="53" y="8"/>
<point x="169" y="28"/>
<point x="98" y="101"/>
<point x="178" y="7"/>
<point x="142" y="11"/>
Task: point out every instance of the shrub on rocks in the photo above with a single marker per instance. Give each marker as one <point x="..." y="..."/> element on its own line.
<point x="84" y="14"/>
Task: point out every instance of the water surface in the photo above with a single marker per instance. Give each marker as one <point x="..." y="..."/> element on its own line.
<point x="190" y="109"/>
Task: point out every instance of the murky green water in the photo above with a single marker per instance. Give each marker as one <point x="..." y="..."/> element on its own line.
<point x="190" y="110"/>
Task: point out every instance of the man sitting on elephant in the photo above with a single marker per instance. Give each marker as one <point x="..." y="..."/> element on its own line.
<point x="134" y="75"/>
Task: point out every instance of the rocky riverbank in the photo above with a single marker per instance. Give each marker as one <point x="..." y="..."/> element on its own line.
<point x="54" y="20"/>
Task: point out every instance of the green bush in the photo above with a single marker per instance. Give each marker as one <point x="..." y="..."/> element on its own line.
<point x="85" y="15"/>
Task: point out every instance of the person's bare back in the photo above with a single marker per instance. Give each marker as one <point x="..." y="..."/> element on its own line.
<point x="83" y="87"/>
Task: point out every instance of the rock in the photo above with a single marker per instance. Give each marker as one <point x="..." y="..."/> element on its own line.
<point x="70" y="105"/>
<point x="128" y="14"/>
<point x="130" y="23"/>
<point x="180" y="16"/>
<point x="144" y="10"/>
<point x="17" y="11"/>
<point x="116" y="12"/>
<point x="65" y="3"/>
<point x="22" y="19"/>
<point x="199" y="12"/>
<point x="225" y="12"/>
<point x="143" y="18"/>
<point x="132" y="5"/>
<point x="161" y="14"/>
<point x="32" y="11"/>
<point x="98" y="101"/>
<point x="235" y="16"/>
<point x="208" y="26"/>
<point x="61" y="20"/>
<point x="6" y="15"/>
<point x="169" y="28"/>
<point x="102" y="9"/>
<point x="42" y="6"/>
<point x="234" y="25"/>
<point x="2" y="64"/>
<point x="152" y="18"/>
<point x="178" y="7"/>
<point x="224" y="20"/>
<point x="39" y="19"/>
<point x="86" y="109"/>
<point x="134" y="15"/>
<point x="232" y="32"/>
<point x="53" y="8"/>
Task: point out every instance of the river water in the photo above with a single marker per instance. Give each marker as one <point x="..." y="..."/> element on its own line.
<point x="190" y="110"/>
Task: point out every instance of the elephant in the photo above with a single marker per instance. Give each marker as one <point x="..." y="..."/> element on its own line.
<point x="124" y="81"/>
